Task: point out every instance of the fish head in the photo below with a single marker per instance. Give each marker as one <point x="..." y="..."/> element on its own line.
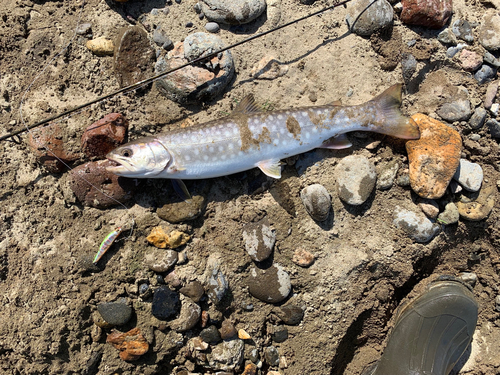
<point x="143" y="158"/>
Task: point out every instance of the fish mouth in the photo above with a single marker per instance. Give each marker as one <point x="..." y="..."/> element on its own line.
<point x="117" y="166"/>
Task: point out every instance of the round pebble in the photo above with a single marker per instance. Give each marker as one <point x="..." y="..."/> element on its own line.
<point x="429" y="207"/>
<point x="356" y="177"/>
<point x="101" y="46"/>
<point x="484" y="74"/>
<point x="166" y="303"/>
<point x="415" y="224"/>
<point x="303" y="258"/>
<point x="259" y="240"/>
<point x="494" y="127"/>
<point x="317" y="201"/>
<point x="272" y="356"/>
<point x="470" y="60"/>
<point x="193" y="290"/>
<point x="469" y="175"/>
<point x="232" y="12"/>
<point x="489" y="31"/>
<point x="271" y="285"/>
<point x="188" y="317"/>
<point x="212" y="27"/>
<point x="290" y="314"/>
<point x="450" y="215"/>
<point x="386" y="174"/>
<point x="364" y="17"/>
<point x="210" y="334"/>
<point x="143" y="288"/>
<point x="227" y="330"/>
<point x="477" y="119"/>
<point x="115" y="313"/>
<point x="159" y="260"/>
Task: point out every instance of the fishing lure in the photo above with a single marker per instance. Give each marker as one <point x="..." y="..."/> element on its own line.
<point x="106" y="244"/>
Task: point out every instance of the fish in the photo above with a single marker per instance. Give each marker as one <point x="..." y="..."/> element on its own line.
<point x="250" y="138"/>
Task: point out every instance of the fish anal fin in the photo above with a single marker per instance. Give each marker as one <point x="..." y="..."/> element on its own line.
<point x="181" y="189"/>
<point x="271" y="168"/>
<point x="337" y="143"/>
<point x="247" y="106"/>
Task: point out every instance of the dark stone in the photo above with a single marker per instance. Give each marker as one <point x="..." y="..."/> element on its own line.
<point x="271" y="285"/>
<point x="494" y="127"/>
<point x="272" y="356"/>
<point x="210" y="335"/>
<point x="166" y="303"/>
<point x="280" y="334"/>
<point x="115" y="313"/>
<point x="290" y="314"/>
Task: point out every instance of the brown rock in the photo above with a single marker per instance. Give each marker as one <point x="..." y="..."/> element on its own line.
<point x="193" y="290"/>
<point x="163" y="240"/>
<point x="477" y="206"/>
<point x="433" y="158"/>
<point x="116" y="189"/>
<point x="250" y="369"/>
<point x="134" y="55"/>
<point x="429" y="13"/>
<point x="175" y="212"/>
<point x="47" y="144"/>
<point x="227" y="330"/>
<point x="303" y="258"/>
<point x="104" y="135"/>
<point x="131" y="344"/>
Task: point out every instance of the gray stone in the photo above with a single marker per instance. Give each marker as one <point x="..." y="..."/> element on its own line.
<point x="188" y="317"/>
<point x="469" y="278"/>
<point x="317" y="201"/>
<point x="462" y="30"/>
<point x="450" y="215"/>
<point x="364" y="17"/>
<point x="490" y="59"/>
<point x="408" y="65"/>
<point x="484" y="74"/>
<point x="259" y="239"/>
<point x="272" y="356"/>
<point x="160" y="260"/>
<point x="84" y="28"/>
<point x="491" y="93"/>
<point x="212" y="27"/>
<point x="415" y="224"/>
<point x="271" y="285"/>
<point x="356" y="178"/>
<point x="232" y="12"/>
<point x="477" y="119"/>
<point x="227" y="356"/>
<point x="386" y="174"/>
<point x="217" y="284"/>
<point x="494" y="127"/>
<point x="447" y="37"/>
<point x="115" y="313"/>
<point x="161" y="38"/>
<point x="469" y="175"/>
<point x="452" y="51"/>
<point x="489" y="31"/>
<point x="458" y="110"/>
<point x="210" y="334"/>
<point x="290" y="314"/>
<point x="280" y="334"/>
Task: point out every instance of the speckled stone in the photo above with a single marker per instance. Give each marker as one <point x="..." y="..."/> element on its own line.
<point x="271" y="285"/>
<point x="474" y="206"/>
<point x="131" y="344"/>
<point x="356" y="178"/>
<point x="450" y="215"/>
<point x="188" y="317"/>
<point x="303" y="258"/>
<point x="430" y="13"/>
<point x="489" y="31"/>
<point x="477" y="119"/>
<point x="386" y="174"/>
<point x="259" y="239"/>
<point x="272" y="356"/>
<point x="159" y="260"/>
<point x="415" y="224"/>
<point x="317" y="201"/>
<point x="431" y="172"/>
<point x="232" y="12"/>
<point x="447" y="37"/>
<point x="217" y="284"/>
<point x="463" y="30"/>
<point x="115" y="313"/>
<point x="227" y="356"/>
<point x="364" y="17"/>
<point x="470" y="60"/>
<point x="469" y="175"/>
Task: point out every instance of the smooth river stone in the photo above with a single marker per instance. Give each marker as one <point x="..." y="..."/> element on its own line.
<point x="433" y="158"/>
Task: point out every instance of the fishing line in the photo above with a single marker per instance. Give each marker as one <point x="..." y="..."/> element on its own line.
<point x="49" y="151"/>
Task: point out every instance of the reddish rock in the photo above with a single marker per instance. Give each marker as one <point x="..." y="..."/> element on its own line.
<point x="131" y="344"/>
<point x="470" y="61"/>
<point x="89" y="181"/>
<point x="433" y="158"/>
<point x="429" y="13"/>
<point x="303" y="258"/>
<point x="104" y="135"/>
<point x="47" y="144"/>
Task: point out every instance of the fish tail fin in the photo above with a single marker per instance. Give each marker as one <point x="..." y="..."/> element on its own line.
<point x="389" y="118"/>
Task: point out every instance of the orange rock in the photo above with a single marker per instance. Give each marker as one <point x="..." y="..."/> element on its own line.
<point x="131" y="344"/>
<point x="433" y="158"/>
<point x="250" y="369"/>
<point x="163" y="240"/>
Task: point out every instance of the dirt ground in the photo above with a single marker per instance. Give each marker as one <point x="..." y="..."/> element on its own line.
<point x="364" y="268"/>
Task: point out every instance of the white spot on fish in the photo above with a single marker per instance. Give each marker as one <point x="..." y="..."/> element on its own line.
<point x="235" y="131"/>
<point x="280" y="117"/>
<point x="211" y="149"/>
<point x="196" y="151"/>
<point x="230" y="146"/>
<point x="271" y="118"/>
<point x="256" y="121"/>
<point x="221" y="148"/>
<point x="304" y="114"/>
<point x="282" y="131"/>
<point x="315" y="130"/>
<point x="308" y="135"/>
<point x="205" y="157"/>
<point x="187" y="157"/>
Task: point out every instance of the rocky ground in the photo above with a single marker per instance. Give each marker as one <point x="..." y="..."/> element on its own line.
<point x="248" y="280"/>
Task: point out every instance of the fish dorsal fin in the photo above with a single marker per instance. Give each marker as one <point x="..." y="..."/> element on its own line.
<point x="271" y="167"/>
<point x="337" y="143"/>
<point x="247" y="106"/>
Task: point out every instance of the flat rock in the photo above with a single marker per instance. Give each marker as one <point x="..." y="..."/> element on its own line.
<point x="494" y="127"/>
<point x="166" y="303"/>
<point x="450" y="215"/>
<point x="131" y="344"/>
<point x="491" y="93"/>
<point x="317" y="201"/>
<point x="134" y="56"/>
<point x="188" y="317"/>
<point x="477" y="119"/>
<point x="430" y="13"/>
<point x="104" y="135"/>
<point x="415" y="224"/>
<point x="429" y="207"/>
<point x="186" y="210"/>
<point x="470" y="60"/>
<point x="193" y="290"/>
<point x="210" y="334"/>
<point x="477" y="206"/>
<point x="364" y="17"/>
<point x="217" y="285"/>
<point x="159" y="260"/>
<point x="303" y="258"/>
<point x="192" y="84"/>
<point x="290" y="314"/>
<point x="356" y="178"/>
<point x="447" y="37"/>
<point x="117" y="189"/>
<point x="463" y="30"/>
<point x="259" y="239"/>
<point x="469" y="175"/>
<point x="227" y="356"/>
<point x="232" y="12"/>
<point x="271" y="285"/>
<point x="489" y="31"/>
<point x="115" y="313"/>
<point x="433" y="158"/>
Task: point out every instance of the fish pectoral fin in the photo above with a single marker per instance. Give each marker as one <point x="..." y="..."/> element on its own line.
<point x="271" y="167"/>
<point x="181" y="189"/>
<point x="247" y="106"/>
<point x="337" y="143"/>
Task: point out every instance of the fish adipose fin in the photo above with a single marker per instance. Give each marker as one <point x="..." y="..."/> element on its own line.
<point x="271" y="167"/>
<point x="247" y="106"/>
<point x="391" y="121"/>
<point x="337" y="143"/>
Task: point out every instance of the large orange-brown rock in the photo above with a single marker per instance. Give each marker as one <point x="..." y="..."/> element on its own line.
<point x="433" y="158"/>
<point x="131" y="344"/>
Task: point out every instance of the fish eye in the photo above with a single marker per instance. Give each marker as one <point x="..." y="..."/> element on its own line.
<point x="127" y="152"/>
